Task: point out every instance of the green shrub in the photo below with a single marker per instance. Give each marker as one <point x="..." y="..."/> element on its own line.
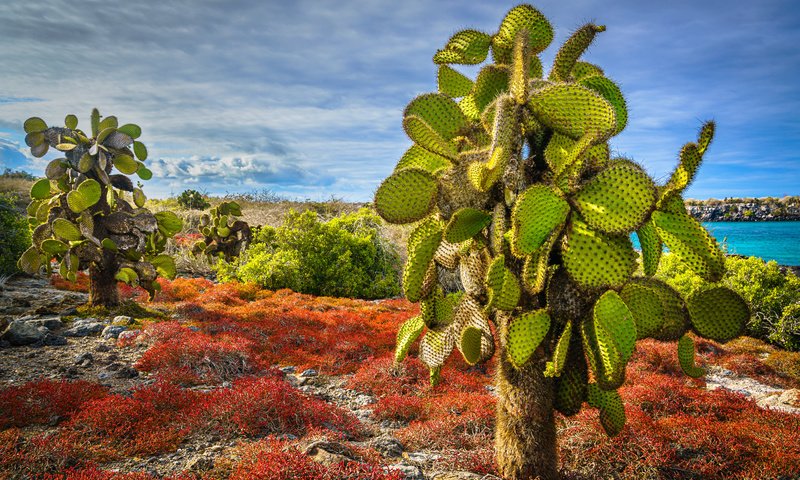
<point x="774" y="296"/>
<point x="15" y="235"/>
<point x="192" y="200"/>
<point x="343" y="257"/>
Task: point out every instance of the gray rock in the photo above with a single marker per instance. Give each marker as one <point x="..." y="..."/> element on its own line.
<point x="123" y="320"/>
<point x="50" y="323"/>
<point x="309" y="373"/>
<point x="84" y="327"/>
<point x="387" y="446"/>
<point x="127" y="372"/>
<point x="200" y="463"/>
<point x="112" y="331"/>
<point x="84" y="359"/>
<point x="20" y="332"/>
<point x="460" y="476"/>
<point x="421" y="457"/>
<point x="410" y="472"/>
<point x="288" y="369"/>
<point x="129" y="334"/>
<point x="53" y="340"/>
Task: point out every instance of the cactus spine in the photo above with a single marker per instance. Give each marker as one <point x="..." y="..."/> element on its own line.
<point x="512" y="185"/>
<point x="85" y="216"/>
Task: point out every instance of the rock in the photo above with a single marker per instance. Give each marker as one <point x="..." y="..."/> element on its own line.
<point x="127" y="372"/>
<point x="460" y="476"/>
<point x="123" y="320"/>
<point x="200" y="463"/>
<point x="128" y="335"/>
<point x="288" y="369"/>
<point x="328" y="453"/>
<point x="421" y="458"/>
<point x="362" y="399"/>
<point x="410" y="472"/>
<point x="387" y="446"/>
<point x="215" y="448"/>
<point x="50" y="323"/>
<point x="84" y="359"/>
<point x="53" y="340"/>
<point x="112" y="331"/>
<point x="102" y="347"/>
<point x="20" y="332"/>
<point x="194" y="328"/>
<point x="309" y="373"/>
<point x="790" y="397"/>
<point x="84" y="327"/>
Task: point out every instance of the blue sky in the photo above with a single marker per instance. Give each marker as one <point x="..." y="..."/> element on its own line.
<point x="305" y="98"/>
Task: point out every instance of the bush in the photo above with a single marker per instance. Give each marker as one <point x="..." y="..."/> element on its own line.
<point x="774" y="296"/>
<point x="343" y="257"/>
<point x="192" y="200"/>
<point x="15" y="235"/>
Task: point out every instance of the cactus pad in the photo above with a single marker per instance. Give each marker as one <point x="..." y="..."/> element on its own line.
<point x="612" y="410"/>
<point x="422" y="244"/>
<point x="690" y="158"/>
<point x="66" y="230"/>
<point x="525" y="334"/>
<point x="611" y="92"/>
<point x="452" y="83"/>
<point x="613" y="315"/>
<point x="594" y="259"/>
<point x="439" y="112"/>
<point x="617" y="200"/>
<point x="465" y="224"/>
<point x="472" y="271"/>
<point x="491" y="82"/>
<point x="571" y="386"/>
<point x="573" y="111"/>
<point x="502" y="285"/>
<point x="436" y="346"/>
<point x="406" y="336"/>
<point x="540" y="32"/>
<point x="467" y="47"/>
<point x="556" y="366"/>
<point x="537" y="213"/>
<point x="686" y="357"/>
<point x="584" y="69"/>
<point x="652" y="248"/>
<point x="447" y="255"/>
<point x="87" y="194"/>
<point x="470" y="344"/>
<point x="572" y="49"/>
<point x="422" y="133"/>
<point x="705" y="137"/>
<point x="718" y="313"/>
<point x="603" y="354"/>
<point x="693" y="245"/>
<point x="41" y="189"/>
<point x="406" y="196"/>
<point x="497" y="229"/>
<point x="418" y="157"/>
<point x="30" y="262"/>
<point x="646" y="307"/>
<point x="675" y="320"/>
<point x="446" y="308"/>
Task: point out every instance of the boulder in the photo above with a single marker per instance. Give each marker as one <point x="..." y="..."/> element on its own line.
<point x="84" y="327"/>
<point x="21" y="332"/>
<point x="112" y="331"/>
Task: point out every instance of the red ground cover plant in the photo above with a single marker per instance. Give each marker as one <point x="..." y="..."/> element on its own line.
<point x="92" y="472"/>
<point x="45" y="401"/>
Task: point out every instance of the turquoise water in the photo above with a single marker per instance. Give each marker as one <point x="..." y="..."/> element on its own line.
<point x="779" y="241"/>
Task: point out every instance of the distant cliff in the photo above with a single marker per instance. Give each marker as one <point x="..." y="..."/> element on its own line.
<point x="745" y="209"/>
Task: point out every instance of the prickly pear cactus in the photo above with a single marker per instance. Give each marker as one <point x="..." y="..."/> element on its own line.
<point x="224" y="235"/>
<point x="511" y="186"/>
<point x="86" y="215"/>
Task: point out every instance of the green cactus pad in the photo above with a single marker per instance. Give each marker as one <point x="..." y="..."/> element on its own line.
<point x="502" y="286"/>
<point x="30" y="262"/>
<point x="675" y="320"/>
<point x="690" y="158"/>
<point x="41" y="189"/>
<point x="617" y="200"/>
<point x="572" y="49"/>
<point x="560" y="153"/>
<point x="436" y="346"/>
<point x="686" y="357"/>
<point x="439" y="112"/>
<point x="168" y="223"/>
<point x="611" y="312"/>
<point x="524" y="17"/>
<point x="467" y="47"/>
<point x="525" y="334"/>
<point x="691" y="243"/>
<point x="537" y="213"/>
<point x="406" y="336"/>
<point x="422" y="244"/>
<point x="469" y="108"/>
<point x="446" y="308"/>
<point x="603" y="354"/>
<point x="583" y="70"/>
<point x="594" y="259"/>
<point x="520" y="66"/>
<point x="491" y="82"/>
<point x="571" y="387"/>
<point x="427" y="307"/>
<point x="86" y="195"/>
<point x="34" y="139"/>
<point x="573" y="111"/>
<point x="447" y="255"/>
<point x="470" y="345"/>
<point x="34" y="124"/>
<point x="131" y="130"/>
<point x="465" y="224"/>
<point x="612" y="410"/>
<point x="406" y="196"/>
<point x="534" y="271"/>
<point x="470" y="313"/>
<point x="652" y="248"/>
<point x="452" y="83"/>
<point x="126" y="164"/>
<point x="647" y="308"/>
<point x="66" y="230"/>
<point x="56" y="169"/>
<point x="127" y="275"/>
<point x="140" y="151"/>
<point x="718" y="313"/>
<point x="54" y="247"/>
<point x="164" y="265"/>
<point x="597" y="156"/>
<point x="556" y="366"/>
<point x="497" y="229"/>
<point x="71" y="122"/>
<point x="418" y="157"/>
<point x="611" y="92"/>
<point x="705" y="136"/>
<point x="422" y="133"/>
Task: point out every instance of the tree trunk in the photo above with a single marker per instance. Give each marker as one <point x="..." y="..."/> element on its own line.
<point x="102" y="284"/>
<point x="525" y="434"/>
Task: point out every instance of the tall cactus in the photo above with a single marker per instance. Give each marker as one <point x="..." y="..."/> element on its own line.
<point x="512" y="185"/>
<point x="88" y="217"/>
<point x="224" y="235"/>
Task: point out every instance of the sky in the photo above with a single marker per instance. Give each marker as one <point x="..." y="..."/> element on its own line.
<point x="305" y="98"/>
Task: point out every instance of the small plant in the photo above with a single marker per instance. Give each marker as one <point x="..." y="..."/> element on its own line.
<point x="224" y="235"/>
<point x="86" y="216"/>
<point x="192" y="200"/>
<point x="15" y="235"/>
<point x="514" y="187"/>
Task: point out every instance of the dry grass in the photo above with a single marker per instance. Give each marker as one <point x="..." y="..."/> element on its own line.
<point x="19" y="187"/>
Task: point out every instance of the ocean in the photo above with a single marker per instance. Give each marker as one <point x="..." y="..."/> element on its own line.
<point x="779" y="241"/>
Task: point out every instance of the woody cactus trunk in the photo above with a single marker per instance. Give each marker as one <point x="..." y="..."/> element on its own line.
<point x="86" y="216"/>
<point x="510" y="183"/>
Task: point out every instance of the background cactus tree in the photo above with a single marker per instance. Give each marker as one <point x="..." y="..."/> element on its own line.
<point x="224" y="235"/>
<point x="511" y="184"/>
<point x="86" y="216"/>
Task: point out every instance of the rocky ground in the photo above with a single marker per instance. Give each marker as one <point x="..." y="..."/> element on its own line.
<point x="43" y="337"/>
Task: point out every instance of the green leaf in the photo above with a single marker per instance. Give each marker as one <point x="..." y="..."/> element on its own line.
<point x="470" y="344"/>
<point x="66" y="230"/>
<point x="54" y="247"/>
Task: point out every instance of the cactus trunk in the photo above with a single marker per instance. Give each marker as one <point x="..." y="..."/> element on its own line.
<point x="102" y="284"/>
<point x="525" y="435"/>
